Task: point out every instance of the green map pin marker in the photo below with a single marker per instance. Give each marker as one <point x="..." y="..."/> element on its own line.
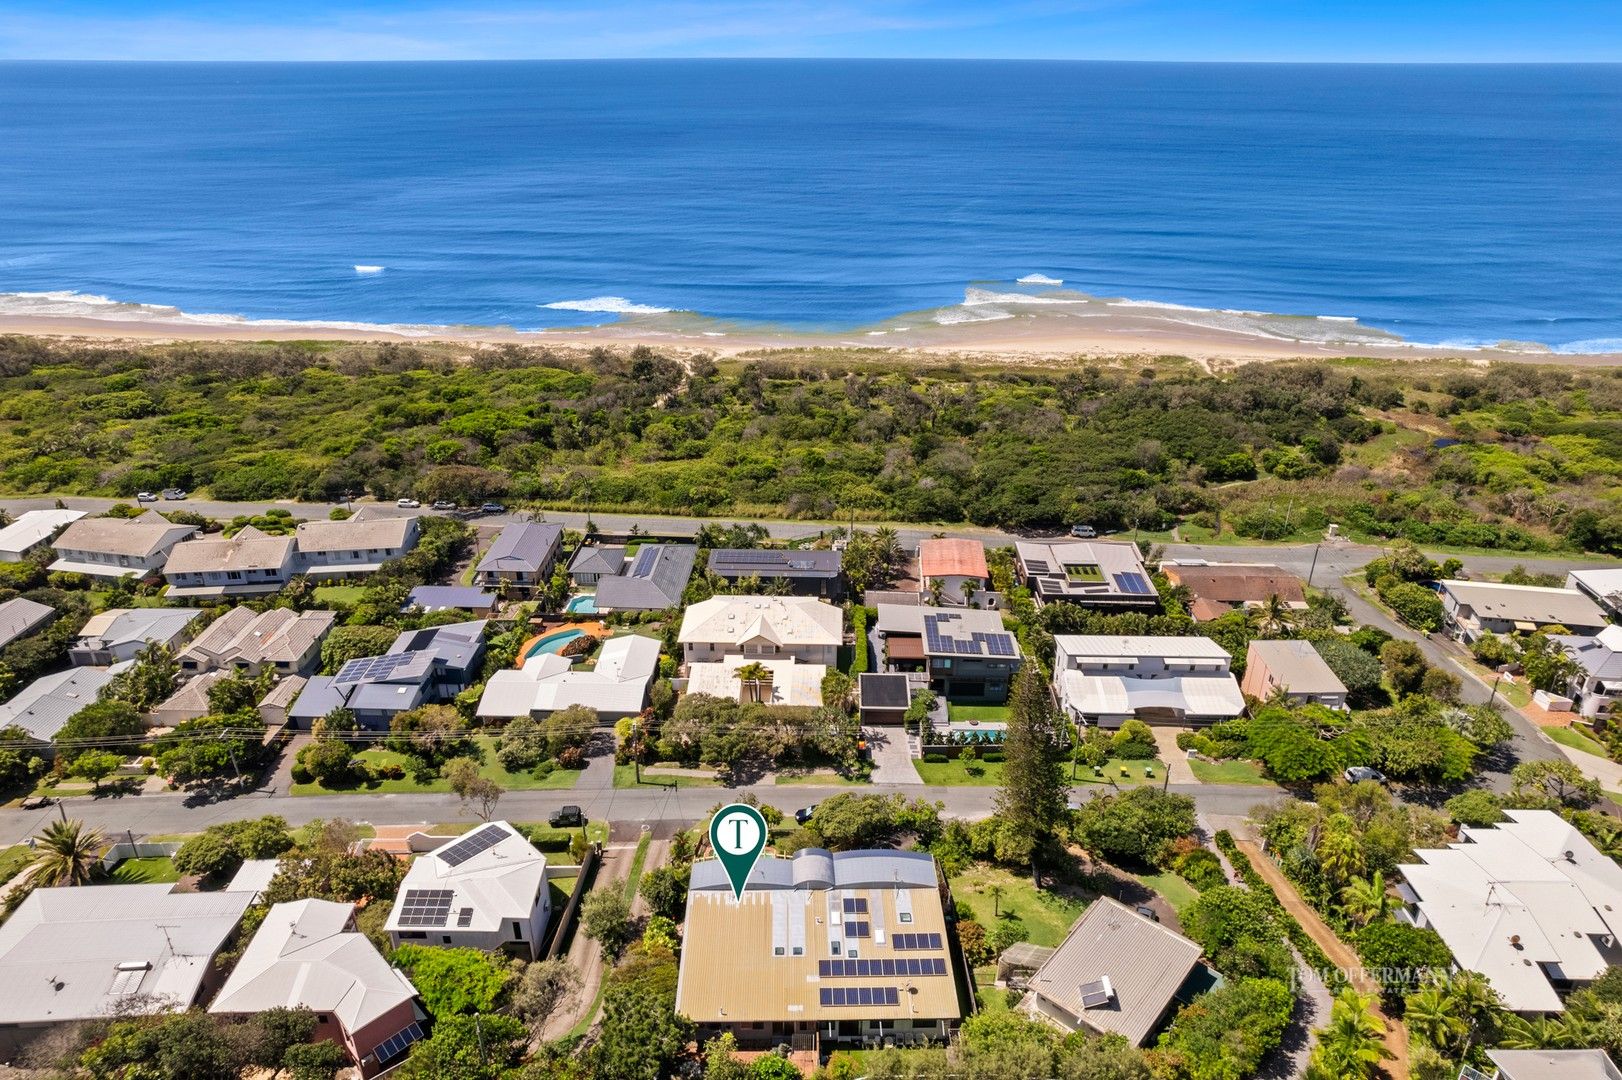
<point x="738" y="835"/>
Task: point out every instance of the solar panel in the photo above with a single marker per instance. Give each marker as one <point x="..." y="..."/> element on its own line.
<point x="645" y="558"/>
<point x="914" y="942"/>
<point x="464" y="917"/>
<point x="425" y="907"/>
<point x="375" y="668"/>
<point x="856" y="929"/>
<point x="856" y="905"/>
<point x="396" y="1044"/>
<point x="1134" y="584"/>
<point x="886" y="967"/>
<point x="479" y="840"/>
<point x="843" y="996"/>
<point x="1095" y="993"/>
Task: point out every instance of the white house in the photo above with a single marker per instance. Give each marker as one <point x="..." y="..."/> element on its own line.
<point x="1597" y="687"/>
<point x="788" y="682"/>
<point x="1529" y="903"/>
<point x="485" y="890"/>
<point x="288" y="642"/>
<point x="250" y="563"/>
<point x="335" y="549"/>
<point x="616" y="687"/>
<point x="118" y="634"/>
<point x="1107" y="680"/>
<point x="1473" y="608"/>
<point x="1603" y="586"/>
<point x="32" y="529"/>
<point x="118" y="547"/>
<point x="801" y="628"/>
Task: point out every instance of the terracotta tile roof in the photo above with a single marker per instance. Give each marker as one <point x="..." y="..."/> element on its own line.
<point x="952" y="558"/>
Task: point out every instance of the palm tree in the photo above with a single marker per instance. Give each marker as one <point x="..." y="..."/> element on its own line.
<point x="1274" y="616"/>
<point x="889" y="546"/>
<point x="752" y="675"/>
<point x="968" y="589"/>
<point x="66" y="853"/>
<point x="995" y="891"/>
<point x="1351" y="1046"/>
<point x="1339" y="852"/>
<point x="1432" y="1014"/>
<point x="937" y="589"/>
<point x="1366" y="901"/>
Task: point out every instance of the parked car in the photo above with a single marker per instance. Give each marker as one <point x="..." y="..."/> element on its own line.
<point x="408" y="503"/>
<point x="444" y="504"/>
<point x="803" y="814"/>
<point x="1147" y="912"/>
<point x="1358" y="773"/>
<point x="492" y="508"/>
<point x="567" y="817"/>
<point x="36" y="802"/>
<point x="145" y="496"/>
<point x="174" y="494"/>
<point x="1083" y="532"/>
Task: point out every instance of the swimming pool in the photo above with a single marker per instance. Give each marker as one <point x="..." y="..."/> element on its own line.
<point x="582" y="605"/>
<point x="552" y="643"/>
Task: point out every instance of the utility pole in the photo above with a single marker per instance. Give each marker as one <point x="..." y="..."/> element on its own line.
<point x="1492" y="697"/>
<point x="1314" y="567"/>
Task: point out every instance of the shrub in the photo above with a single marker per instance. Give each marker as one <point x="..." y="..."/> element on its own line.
<point x="1135" y="741"/>
<point x="935" y="759"/>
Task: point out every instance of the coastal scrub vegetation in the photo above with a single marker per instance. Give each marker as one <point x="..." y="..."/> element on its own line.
<point x="1509" y="456"/>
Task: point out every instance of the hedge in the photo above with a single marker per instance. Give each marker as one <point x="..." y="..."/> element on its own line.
<point x="1310" y="952"/>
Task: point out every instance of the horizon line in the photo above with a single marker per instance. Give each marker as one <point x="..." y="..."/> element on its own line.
<point x="722" y="58"/>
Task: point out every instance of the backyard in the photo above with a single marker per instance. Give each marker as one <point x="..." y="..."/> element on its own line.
<point x="1046" y="915"/>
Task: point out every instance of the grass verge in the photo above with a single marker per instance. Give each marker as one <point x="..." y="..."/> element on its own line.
<point x="1046" y="916"/>
<point x="489" y="767"/>
<point x="1227" y="772"/>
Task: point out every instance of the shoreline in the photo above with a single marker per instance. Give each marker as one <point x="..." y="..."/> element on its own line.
<point x="1142" y="333"/>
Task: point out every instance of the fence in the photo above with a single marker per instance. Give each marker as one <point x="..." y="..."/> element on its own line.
<point x="143" y="850"/>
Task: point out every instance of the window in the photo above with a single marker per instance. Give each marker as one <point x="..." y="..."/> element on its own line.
<point x="446" y="938"/>
<point x="777" y="950"/>
<point x="905" y="916"/>
<point x="799" y="950"/>
<point x="412" y="935"/>
<point x="833" y="947"/>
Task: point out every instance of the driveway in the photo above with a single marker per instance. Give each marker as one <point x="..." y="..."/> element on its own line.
<point x="892" y="761"/>
<point x="1175" y="759"/>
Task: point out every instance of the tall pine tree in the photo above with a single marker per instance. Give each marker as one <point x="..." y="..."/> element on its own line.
<point x="1031" y="800"/>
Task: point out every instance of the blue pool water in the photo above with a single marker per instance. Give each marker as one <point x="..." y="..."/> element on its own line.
<point x="1462" y="203"/>
<point x="582" y="605"/>
<point x="552" y="643"/>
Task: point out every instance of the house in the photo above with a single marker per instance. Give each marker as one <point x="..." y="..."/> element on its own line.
<point x="1295" y="668"/>
<point x="787" y="681"/>
<point x="308" y="954"/>
<point x="20" y="617"/>
<point x="337" y="549"/>
<point x="187" y="703"/>
<point x="1473" y="608"/>
<point x="762" y="628"/>
<point x="823" y="949"/>
<point x="250" y="563"/>
<point x="959" y="565"/>
<point x="88" y="953"/>
<point x="883" y="698"/>
<point x="655" y="580"/>
<point x="451" y="598"/>
<point x="592" y="563"/>
<point x="1552" y="1065"/>
<point x="1598" y="686"/>
<point x="1104" y="574"/>
<point x="254" y="877"/>
<point x="275" y="706"/>
<point x="1108" y="680"/>
<point x="965" y="652"/>
<point x="119" y="634"/>
<point x="1603" y="586"/>
<point x="286" y="642"/>
<point x="521" y="558"/>
<point x="118" y="547"/>
<point x="31" y="530"/>
<point x="1529" y="903"/>
<point x="421" y="667"/>
<point x="1214" y="589"/>
<point x="50" y="701"/>
<point x="1115" y="973"/>
<point x="485" y="890"/>
<point x="616" y="687"/>
<point x="804" y="572"/>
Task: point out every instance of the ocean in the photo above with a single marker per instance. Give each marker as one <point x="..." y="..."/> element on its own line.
<point x="1462" y="205"/>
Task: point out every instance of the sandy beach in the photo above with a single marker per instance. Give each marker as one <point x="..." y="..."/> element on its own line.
<point x="1142" y="332"/>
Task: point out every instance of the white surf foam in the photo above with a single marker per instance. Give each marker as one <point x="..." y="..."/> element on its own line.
<point x="1162" y="305"/>
<point x="979" y="297"/>
<point x="1039" y="279"/>
<point x="368" y="268"/>
<point x="958" y="316"/>
<point x="616" y="305"/>
<point x="76" y="305"/>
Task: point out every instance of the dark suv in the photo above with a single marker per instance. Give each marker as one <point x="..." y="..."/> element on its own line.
<point x="568" y="817"/>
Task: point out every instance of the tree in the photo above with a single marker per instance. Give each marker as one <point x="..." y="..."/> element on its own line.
<point x="267" y="1036"/>
<point x="329" y="873"/>
<point x="188" y="1044"/>
<point x="96" y="766"/>
<point x="1551" y="785"/>
<point x="475" y="790"/>
<point x="1239" y="932"/>
<point x="220" y="849"/>
<point x="346" y="643"/>
<point x="1547" y="664"/>
<point x="543" y="988"/>
<point x="641" y="1032"/>
<point x="330" y="762"/>
<point x="1478" y="808"/>
<point x="433" y="733"/>
<point x="1273" y="617"/>
<point x="462" y="1047"/>
<point x="1405" y="952"/>
<point x="1135" y="741"/>
<point x="606" y="917"/>
<point x="1350" y="1047"/>
<point x="65" y="853"/>
<point x="1340" y="849"/>
<point x="104" y="723"/>
<point x="315" y="1061"/>
<point x="1365" y="900"/>
<point x="1405" y="666"/>
<point x="1415" y="605"/>
<point x="1131" y="826"/>
<point x="1031" y="800"/>
<point x="455" y="981"/>
<point x="148" y="682"/>
<point x="753" y="677"/>
<point x="211" y="747"/>
<point x="1223" y="1035"/>
<point x="665" y="890"/>
<point x="521" y="745"/>
<point x="1357" y="670"/>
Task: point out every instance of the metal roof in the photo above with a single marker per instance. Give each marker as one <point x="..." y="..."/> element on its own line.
<point x="1526" y="603"/>
<point x="50" y="701"/>
<point x="1554" y="1065"/>
<point x="526" y="546"/>
<point x="952" y="558"/>
<point x="655" y="581"/>
<point x="137" y="537"/>
<point x="380" y="534"/>
<point x="492" y="869"/>
<point x="249" y="549"/>
<point x="35" y="527"/>
<point x="885" y="691"/>
<point x="20" y="617"/>
<point x="448" y="597"/>
<point x="782" y="620"/>
<point x="1295" y="665"/>
<point x="772" y="563"/>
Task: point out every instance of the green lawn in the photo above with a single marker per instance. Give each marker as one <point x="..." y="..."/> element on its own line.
<point x="625" y="777"/>
<point x="964" y="714"/>
<point x="1046" y="916"/>
<point x="960" y="772"/>
<point x="13" y="859"/>
<point x="819" y="778"/>
<point x="1576" y="739"/>
<point x="1135" y="775"/>
<point x="1227" y="772"/>
<point x="1178" y="893"/>
<point x="539" y="832"/>
<point x="338" y="595"/>
<point x="490" y="768"/>
<point x="145" y="871"/>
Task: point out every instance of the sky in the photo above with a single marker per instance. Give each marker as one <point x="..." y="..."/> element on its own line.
<point x="1261" y="30"/>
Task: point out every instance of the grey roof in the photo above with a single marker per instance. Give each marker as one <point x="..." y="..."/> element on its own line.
<point x="455" y="645"/>
<point x="124" y="626"/>
<point x="1296" y="665"/>
<point x="766" y="564"/>
<point x="137" y="537"/>
<point x="1534" y="604"/>
<point x="962" y="632"/>
<point x="20" y="617"/>
<point x="275" y="635"/>
<point x="817" y="868"/>
<point x="1145" y="963"/>
<point x="249" y="549"/>
<point x="1119" y="563"/>
<point x="657" y="578"/>
<point x="355" y="535"/>
<point x="595" y="559"/>
<point x="526" y="546"/>
<point x="1554" y="1065"/>
<point x="44" y="705"/>
<point x="70" y="954"/>
<point x="440" y="597"/>
<point x="1600" y="656"/>
<point x="885" y="691"/>
<point x="320" y="696"/>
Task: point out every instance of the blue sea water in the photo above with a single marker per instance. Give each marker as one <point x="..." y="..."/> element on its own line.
<point x="1440" y="203"/>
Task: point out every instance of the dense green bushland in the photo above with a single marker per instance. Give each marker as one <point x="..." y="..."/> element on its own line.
<point x="1267" y="450"/>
